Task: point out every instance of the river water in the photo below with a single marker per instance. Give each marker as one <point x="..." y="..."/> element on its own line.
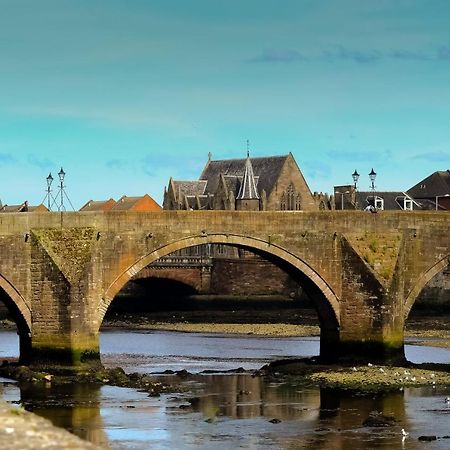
<point x="223" y="411"/>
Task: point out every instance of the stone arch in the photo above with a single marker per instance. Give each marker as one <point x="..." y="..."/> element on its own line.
<point x="17" y="299"/>
<point x="422" y="282"/>
<point x="225" y="239"/>
<point x="22" y="316"/>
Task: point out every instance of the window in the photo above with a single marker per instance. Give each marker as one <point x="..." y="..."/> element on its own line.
<point x="283" y="202"/>
<point x="379" y="203"/>
<point x="290" y="198"/>
<point x="408" y="204"/>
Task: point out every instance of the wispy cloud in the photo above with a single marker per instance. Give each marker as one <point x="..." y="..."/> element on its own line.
<point x="7" y="158"/>
<point x="278" y="56"/>
<point x="41" y="163"/>
<point x="123" y="117"/>
<point x="410" y="55"/>
<point x="317" y="170"/>
<point x="360" y="156"/>
<point x="437" y="156"/>
<point x="443" y="52"/>
<point x="118" y="164"/>
<point x="358" y="56"/>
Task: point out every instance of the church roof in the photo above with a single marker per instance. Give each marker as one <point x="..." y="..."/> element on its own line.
<point x="265" y="169"/>
<point x="190" y="187"/>
<point x="438" y="183"/>
<point x="247" y="190"/>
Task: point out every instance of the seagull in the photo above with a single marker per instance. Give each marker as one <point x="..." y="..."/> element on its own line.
<point x="447" y="400"/>
<point x="404" y="433"/>
<point x="354" y="369"/>
<point x="370" y="364"/>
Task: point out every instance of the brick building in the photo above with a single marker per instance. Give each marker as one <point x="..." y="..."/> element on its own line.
<point x="140" y="203"/>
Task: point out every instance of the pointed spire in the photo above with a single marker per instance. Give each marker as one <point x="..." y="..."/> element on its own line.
<point x="248" y="189"/>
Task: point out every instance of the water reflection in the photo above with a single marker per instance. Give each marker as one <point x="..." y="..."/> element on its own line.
<point x="75" y="407"/>
<point x="225" y="411"/>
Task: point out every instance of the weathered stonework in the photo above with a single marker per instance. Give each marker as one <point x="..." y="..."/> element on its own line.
<point x="61" y="272"/>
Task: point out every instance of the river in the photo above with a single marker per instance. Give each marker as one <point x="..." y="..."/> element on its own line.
<point x="223" y="411"/>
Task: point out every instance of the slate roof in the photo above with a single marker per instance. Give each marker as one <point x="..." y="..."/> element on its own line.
<point x="190" y="187"/>
<point x="266" y="170"/>
<point x="438" y="183"/>
<point x="392" y="200"/>
<point x="15" y="208"/>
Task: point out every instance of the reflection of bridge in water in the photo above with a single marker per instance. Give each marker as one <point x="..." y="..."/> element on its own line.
<point x="363" y="272"/>
<point x="310" y="417"/>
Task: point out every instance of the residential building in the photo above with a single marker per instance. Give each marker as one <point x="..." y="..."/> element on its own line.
<point x="433" y="192"/>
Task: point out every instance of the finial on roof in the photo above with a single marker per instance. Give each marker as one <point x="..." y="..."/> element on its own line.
<point x="209" y="156"/>
<point x="248" y="148"/>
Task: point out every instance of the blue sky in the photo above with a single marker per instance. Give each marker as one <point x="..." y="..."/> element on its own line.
<point x="125" y="94"/>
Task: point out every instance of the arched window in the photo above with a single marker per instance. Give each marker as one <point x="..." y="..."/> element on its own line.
<point x="283" y="202"/>
<point x="298" y="202"/>
<point x="290" y="198"/>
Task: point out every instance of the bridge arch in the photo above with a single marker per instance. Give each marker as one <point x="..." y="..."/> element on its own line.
<point x="242" y="241"/>
<point x="21" y="313"/>
<point x="422" y="282"/>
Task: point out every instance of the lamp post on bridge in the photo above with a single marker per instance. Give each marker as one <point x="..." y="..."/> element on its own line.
<point x="372" y="176"/>
<point x="61" y="175"/>
<point x="355" y="176"/>
<point x="49" y="190"/>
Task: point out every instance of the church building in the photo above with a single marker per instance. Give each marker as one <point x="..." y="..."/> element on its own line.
<point x="251" y="184"/>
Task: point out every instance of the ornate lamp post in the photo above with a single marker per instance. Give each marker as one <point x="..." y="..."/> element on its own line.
<point x="49" y="189"/>
<point x="372" y="176"/>
<point x="61" y="175"/>
<point x="355" y="176"/>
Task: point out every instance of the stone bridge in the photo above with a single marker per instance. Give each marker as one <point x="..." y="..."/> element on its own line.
<point x="60" y="272"/>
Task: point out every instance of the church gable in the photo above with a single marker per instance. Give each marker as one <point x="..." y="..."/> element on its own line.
<point x="291" y="192"/>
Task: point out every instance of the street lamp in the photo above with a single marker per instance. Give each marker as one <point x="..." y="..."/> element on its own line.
<point x="61" y="175"/>
<point x="355" y="176"/>
<point x="49" y="189"/>
<point x="372" y="176"/>
<point x="437" y="199"/>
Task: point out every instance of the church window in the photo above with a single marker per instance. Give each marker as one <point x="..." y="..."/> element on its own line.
<point x="298" y="202"/>
<point x="290" y="198"/>
<point x="283" y="202"/>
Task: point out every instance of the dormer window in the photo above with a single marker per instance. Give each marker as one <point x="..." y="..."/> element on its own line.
<point x="379" y="203"/>
<point x="408" y="204"/>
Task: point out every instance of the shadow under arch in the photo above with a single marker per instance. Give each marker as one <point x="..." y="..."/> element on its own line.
<point x="327" y="303"/>
<point x="422" y="282"/>
<point x="21" y="314"/>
